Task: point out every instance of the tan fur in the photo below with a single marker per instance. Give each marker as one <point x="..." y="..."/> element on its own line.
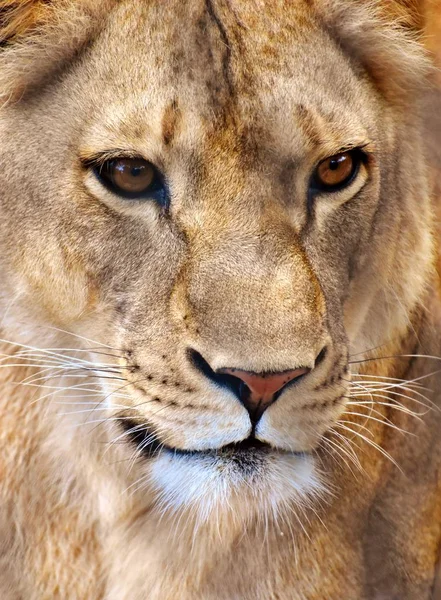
<point x="19" y="18"/>
<point x="101" y="299"/>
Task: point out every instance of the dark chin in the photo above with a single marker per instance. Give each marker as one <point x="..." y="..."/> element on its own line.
<point x="249" y="446"/>
<point x="250" y="459"/>
<point x="246" y="458"/>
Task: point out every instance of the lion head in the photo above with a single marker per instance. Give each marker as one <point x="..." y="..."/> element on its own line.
<point x="230" y="198"/>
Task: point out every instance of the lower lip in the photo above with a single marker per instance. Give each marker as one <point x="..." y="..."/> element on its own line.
<point x="232" y="451"/>
<point x="247" y="446"/>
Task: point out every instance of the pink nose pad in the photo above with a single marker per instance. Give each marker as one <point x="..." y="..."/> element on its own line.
<point x="263" y="386"/>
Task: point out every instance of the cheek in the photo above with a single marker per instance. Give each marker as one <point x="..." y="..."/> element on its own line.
<point x="57" y="280"/>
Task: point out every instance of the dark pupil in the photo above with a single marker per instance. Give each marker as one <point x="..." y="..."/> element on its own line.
<point x="136" y="171"/>
<point x="334" y="164"/>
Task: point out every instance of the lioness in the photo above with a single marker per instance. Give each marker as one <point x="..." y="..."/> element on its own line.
<point x="220" y="310"/>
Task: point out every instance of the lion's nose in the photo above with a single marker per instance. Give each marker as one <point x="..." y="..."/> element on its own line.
<point x="261" y="389"/>
<point x="256" y="391"/>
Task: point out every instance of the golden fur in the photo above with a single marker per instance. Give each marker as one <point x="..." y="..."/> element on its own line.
<point x="102" y="298"/>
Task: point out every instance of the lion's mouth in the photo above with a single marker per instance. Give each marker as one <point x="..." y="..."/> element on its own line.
<point x="251" y="445"/>
<point x="150" y="446"/>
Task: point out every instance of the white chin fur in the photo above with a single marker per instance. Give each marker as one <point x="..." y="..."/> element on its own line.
<point x="211" y="487"/>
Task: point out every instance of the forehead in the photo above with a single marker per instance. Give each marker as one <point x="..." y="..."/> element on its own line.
<point x="265" y="68"/>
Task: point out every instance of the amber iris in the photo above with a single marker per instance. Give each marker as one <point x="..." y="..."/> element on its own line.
<point x="132" y="176"/>
<point x="336" y="170"/>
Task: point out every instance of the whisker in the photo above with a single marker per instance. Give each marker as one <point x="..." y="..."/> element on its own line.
<point x="77" y="387"/>
<point x="51" y="373"/>
<point x="335" y="449"/>
<point x="358" y="425"/>
<point x="100" y="421"/>
<point x="81" y="337"/>
<point x="92" y="403"/>
<point x="394" y="402"/>
<point x="429" y="356"/>
<point x="95" y="409"/>
<point x="407" y="396"/>
<point x="136" y="428"/>
<point x="376" y="377"/>
<point x="88" y="350"/>
<point x="377" y="412"/>
<point x="384" y="421"/>
<point x="371" y="443"/>
<point x="407" y="385"/>
<point x="367" y="351"/>
<point x="49" y="354"/>
<point x="41" y="351"/>
<point x="395" y="406"/>
<point x="351" y="449"/>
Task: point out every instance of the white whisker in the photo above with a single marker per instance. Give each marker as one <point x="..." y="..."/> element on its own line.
<point x="371" y="443"/>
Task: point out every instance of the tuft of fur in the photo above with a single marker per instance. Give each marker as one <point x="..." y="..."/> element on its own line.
<point x="406" y="13"/>
<point x="19" y="17"/>
<point x="385" y="39"/>
<point x="39" y="37"/>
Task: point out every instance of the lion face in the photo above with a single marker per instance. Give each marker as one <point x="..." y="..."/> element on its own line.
<point x="222" y="197"/>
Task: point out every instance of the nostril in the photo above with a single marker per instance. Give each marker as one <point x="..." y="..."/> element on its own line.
<point x="321" y="356"/>
<point x="234" y="384"/>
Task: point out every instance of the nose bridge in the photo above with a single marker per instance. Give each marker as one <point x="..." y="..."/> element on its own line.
<point x="257" y="263"/>
<point x="255" y="293"/>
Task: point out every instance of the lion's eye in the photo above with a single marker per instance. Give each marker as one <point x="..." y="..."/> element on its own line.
<point x="337" y="171"/>
<point x="133" y="178"/>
